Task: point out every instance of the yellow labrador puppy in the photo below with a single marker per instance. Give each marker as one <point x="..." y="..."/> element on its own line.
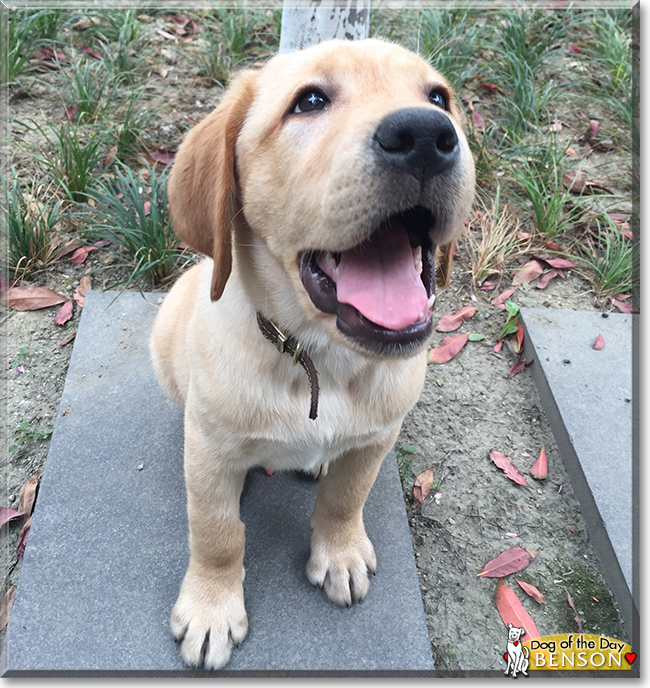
<point x="320" y="187"/>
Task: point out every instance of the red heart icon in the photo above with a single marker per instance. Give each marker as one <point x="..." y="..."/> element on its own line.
<point x="630" y="656"/>
<point x="505" y="656"/>
<point x="516" y="643"/>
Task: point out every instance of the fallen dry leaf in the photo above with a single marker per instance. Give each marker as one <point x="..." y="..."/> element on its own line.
<point x="502" y="462"/>
<point x="31" y="298"/>
<point x="498" y="346"/>
<point x="449" y="323"/>
<point x="64" y="314"/>
<point x="80" y="255"/>
<point x="527" y="273"/>
<point x="70" y="247"/>
<point x="539" y="470"/>
<point x="519" y="342"/>
<point x="68" y="338"/>
<point x="511" y="610"/>
<point x="511" y="561"/>
<point x="532" y="591"/>
<point x="5" y="606"/>
<point x="599" y="343"/>
<point x="28" y="495"/>
<point x="575" y="181"/>
<point x="500" y="300"/>
<point x="488" y="285"/>
<point x="576" y="618"/>
<point x="22" y="537"/>
<point x="422" y="486"/>
<point x="623" y="305"/>
<point x="478" y="121"/>
<point x="546" y="278"/>
<point x="448" y="349"/>
<point x="80" y="292"/>
<point x="7" y="514"/>
<point x="518" y="367"/>
<point x="560" y="263"/>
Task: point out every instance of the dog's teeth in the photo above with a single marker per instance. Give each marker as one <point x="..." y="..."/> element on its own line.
<point x="431" y="301"/>
<point x="330" y="262"/>
<point x="417" y="259"/>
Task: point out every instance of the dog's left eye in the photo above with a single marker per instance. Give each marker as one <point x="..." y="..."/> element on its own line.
<point x="311" y="100"/>
<point x="438" y="97"/>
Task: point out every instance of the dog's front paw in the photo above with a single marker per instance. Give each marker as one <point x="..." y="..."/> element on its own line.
<point x="208" y="620"/>
<point x="341" y="563"/>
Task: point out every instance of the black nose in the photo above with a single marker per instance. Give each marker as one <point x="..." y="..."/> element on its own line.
<point x="419" y="141"/>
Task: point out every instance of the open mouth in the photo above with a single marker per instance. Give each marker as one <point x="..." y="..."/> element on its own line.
<point x="382" y="290"/>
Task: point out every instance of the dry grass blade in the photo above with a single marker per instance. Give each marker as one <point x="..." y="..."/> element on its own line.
<point x="496" y="243"/>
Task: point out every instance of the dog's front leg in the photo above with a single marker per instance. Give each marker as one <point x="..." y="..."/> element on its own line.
<point x="342" y="556"/>
<point x="209" y="616"/>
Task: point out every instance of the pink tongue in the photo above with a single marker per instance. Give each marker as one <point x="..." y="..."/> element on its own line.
<point x="379" y="279"/>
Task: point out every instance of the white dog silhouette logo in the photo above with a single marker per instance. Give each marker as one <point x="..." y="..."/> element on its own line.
<point x="517" y="655"/>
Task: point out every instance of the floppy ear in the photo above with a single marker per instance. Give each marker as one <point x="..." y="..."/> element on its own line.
<point x="203" y="197"/>
<point x="443" y="259"/>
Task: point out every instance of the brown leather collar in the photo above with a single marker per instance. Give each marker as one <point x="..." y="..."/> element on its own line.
<point x="289" y="345"/>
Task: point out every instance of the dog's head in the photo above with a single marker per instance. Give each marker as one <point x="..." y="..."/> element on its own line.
<point x="337" y="172"/>
<point x="515" y="633"/>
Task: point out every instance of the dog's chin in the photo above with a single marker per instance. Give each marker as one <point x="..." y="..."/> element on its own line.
<point x="358" y="330"/>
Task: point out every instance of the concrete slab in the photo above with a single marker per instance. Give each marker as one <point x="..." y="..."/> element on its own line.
<point x="108" y="545"/>
<point x="588" y="396"/>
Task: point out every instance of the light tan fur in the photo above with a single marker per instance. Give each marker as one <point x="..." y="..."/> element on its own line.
<point x="251" y="188"/>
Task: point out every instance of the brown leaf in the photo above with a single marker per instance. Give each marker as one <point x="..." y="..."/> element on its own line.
<point x="546" y="278"/>
<point x="449" y="323"/>
<point x="68" y="338"/>
<point x="422" y="486"/>
<point x="502" y="298"/>
<point x="574" y="49"/>
<point x="511" y="561"/>
<point x="448" y="349"/>
<point x="70" y="247"/>
<point x="518" y="367"/>
<point x="91" y="51"/>
<point x="559" y="263"/>
<point x="539" y="470"/>
<point x="5" y="606"/>
<point x="22" y="537"/>
<point x="527" y="273"/>
<point x="478" y="121"/>
<point x="80" y="292"/>
<point x="503" y="462"/>
<point x="80" y="255"/>
<point x="31" y="298"/>
<point x="576" y="618"/>
<point x="599" y="343"/>
<point x="28" y="495"/>
<point x="488" y="285"/>
<point x="532" y="591"/>
<point x="7" y="514"/>
<point x="575" y="181"/>
<point x="512" y="611"/>
<point x="64" y="314"/>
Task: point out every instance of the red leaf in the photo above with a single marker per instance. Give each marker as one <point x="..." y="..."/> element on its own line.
<point x="520" y="337"/>
<point x="502" y="298"/>
<point x="576" y="618"/>
<point x="31" y="298"/>
<point x="50" y="54"/>
<point x="478" y="121"/>
<point x="623" y="306"/>
<point x="68" y="338"/>
<point x="498" y="346"/>
<point x="518" y="367"/>
<point x="575" y="181"/>
<point x="422" y="486"/>
<point x="448" y="349"/>
<point x="574" y="49"/>
<point x="449" y="323"/>
<point x="552" y="246"/>
<point x="110" y="156"/>
<point x="511" y="561"/>
<point x="532" y="591"/>
<point x="22" y="537"/>
<point x="7" y="514"/>
<point x="539" y="470"/>
<point x="71" y="111"/>
<point x="80" y="292"/>
<point x="546" y="278"/>
<point x="64" y="314"/>
<point x="102" y="243"/>
<point x="488" y="285"/>
<point x="560" y="263"/>
<point x="599" y="343"/>
<point x="512" y="611"/>
<point x="527" y="273"/>
<point x="5" y="606"/>
<point x="91" y="51"/>
<point x="70" y="247"/>
<point x="593" y="127"/>
<point x="80" y="255"/>
<point x="165" y="157"/>
<point x="512" y="472"/>
<point x="491" y="87"/>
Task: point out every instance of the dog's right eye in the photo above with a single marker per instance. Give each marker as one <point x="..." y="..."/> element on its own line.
<point x="311" y="100"/>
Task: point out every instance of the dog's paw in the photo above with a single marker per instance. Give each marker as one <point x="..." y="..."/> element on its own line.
<point x="341" y="566"/>
<point x="208" y="621"/>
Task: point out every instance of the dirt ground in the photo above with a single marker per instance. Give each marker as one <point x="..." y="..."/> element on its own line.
<point x="469" y="405"/>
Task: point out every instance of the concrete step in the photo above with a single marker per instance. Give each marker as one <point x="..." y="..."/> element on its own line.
<point x="590" y="398"/>
<point x="108" y="545"/>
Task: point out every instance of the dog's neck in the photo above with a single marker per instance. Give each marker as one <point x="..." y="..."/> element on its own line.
<point x="287" y="344"/>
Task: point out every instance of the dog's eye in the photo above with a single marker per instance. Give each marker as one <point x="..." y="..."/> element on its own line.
<point x="311" y="101"/>
<point x="438" y="97"/>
